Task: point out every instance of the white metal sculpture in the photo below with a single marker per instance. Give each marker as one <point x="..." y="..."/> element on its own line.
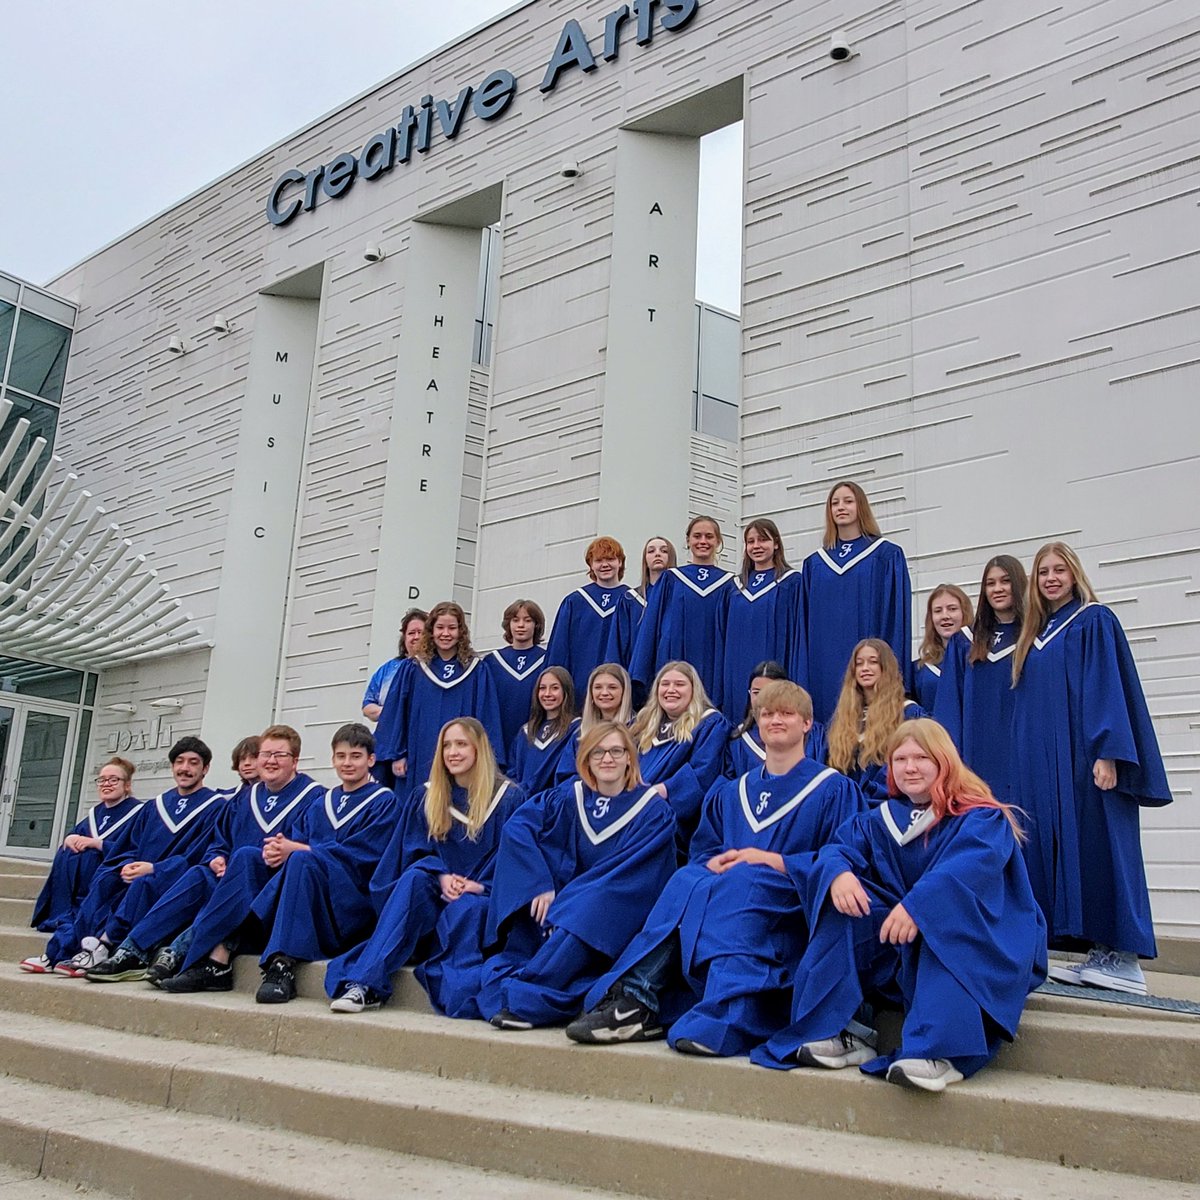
<point x="72" y="590"/>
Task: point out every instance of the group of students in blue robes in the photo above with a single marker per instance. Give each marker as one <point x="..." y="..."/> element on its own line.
<point x="738" y="877"/>
<point x="281" y="865"/>
<point x="984" y="671"/>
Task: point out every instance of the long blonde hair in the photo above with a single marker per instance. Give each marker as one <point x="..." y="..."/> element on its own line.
<point x="957" y="789"/>
<point x="651" y="716"/>
<point x="933" y="649"/>
<point x="884" y="713"/>
<point x="1037" y="611"/>
<point x="591" y="714"/>
<point x="482" y="782"/>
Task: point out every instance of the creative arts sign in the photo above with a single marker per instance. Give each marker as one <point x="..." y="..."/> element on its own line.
<point x="299" y="191"/>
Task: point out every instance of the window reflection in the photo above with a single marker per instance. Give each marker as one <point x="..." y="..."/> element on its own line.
<point x="39" y="359"/>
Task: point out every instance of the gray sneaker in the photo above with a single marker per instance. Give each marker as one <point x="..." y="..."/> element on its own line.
<point x="1117" y="970"/>
<point x="925" y="1074"/>
<point x="845" y="1050"/>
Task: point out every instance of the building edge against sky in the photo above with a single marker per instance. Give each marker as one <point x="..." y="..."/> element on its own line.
<point x="965" y="284"/>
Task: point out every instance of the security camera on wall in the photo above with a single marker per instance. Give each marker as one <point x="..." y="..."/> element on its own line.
<point x="839" y="46"/>
<point x="570" y="170"/>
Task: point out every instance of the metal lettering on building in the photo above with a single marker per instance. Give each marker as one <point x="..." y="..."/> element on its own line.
<point x="296" y="191"/>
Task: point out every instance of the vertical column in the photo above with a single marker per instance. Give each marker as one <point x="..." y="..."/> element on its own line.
<point x="419" y="534"/>
<point x="251" y="605"/>
<point x="651" y="355"/>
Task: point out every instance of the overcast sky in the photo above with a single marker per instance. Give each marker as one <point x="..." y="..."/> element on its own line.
<point x="112" y="111"/>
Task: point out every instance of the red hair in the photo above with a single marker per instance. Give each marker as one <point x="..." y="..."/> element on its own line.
<point x="604" y="547"/>
<point x="957" y="789"/>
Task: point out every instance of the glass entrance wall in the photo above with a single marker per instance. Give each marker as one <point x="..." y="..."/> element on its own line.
<point x="35" y="339"/>
<point x="46" y="714"/>
<point x="36" y="781"/>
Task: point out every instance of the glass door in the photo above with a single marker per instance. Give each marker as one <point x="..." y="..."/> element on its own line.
<point x="35" y="746"/>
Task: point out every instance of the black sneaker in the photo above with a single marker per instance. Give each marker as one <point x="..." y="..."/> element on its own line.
<point x="123" y="967"/>
<point x="510" y="1021"/>
<point x="205" y="976"/>
<point x="690" y="1046"/>
<point x="279" y="982"/>
<point x="617" y="1018"/>
<point x="166" y="964"/>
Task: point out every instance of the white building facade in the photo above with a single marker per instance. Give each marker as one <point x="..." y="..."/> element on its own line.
<point x="969" y="283"/>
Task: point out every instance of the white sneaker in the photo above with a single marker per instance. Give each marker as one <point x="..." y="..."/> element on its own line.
<point x="845" y="1050"/>
<point x="1117" y="970"/>
<point x="927" y="1074"/>
<point x="39" y="964"/>
<point x="355" y="999"/>
<point x="92" y="953"/>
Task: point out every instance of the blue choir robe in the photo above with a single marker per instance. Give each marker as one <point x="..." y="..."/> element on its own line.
<point x="975" y="706"/>
<point x="762" y="620"/>
<point x="424" y="698"/>
<point x="980" y="950"/>
<point x="855" y="590"/>
<point x="582" y="627"/>
<point x="318" y="903"/>
<point x="872" y="778"/>
<point x="534" y="761"/>
<point x="254" y="814"/>
<point x="746" y="753"/>
<point x="927" y="676"/>
<point x="381" y="681"/>
<point x="680" y="624"/>
<point x="1080" y="699"/>
<point x="514" y="674"/>
<point x="623" y="628"/>
<point x="565" y="769"/>
<point x="415" y="923"/>
<point x="688" y="770"/>
<point x="741" y="932"/>
<point x="71" y="871"/>
<point x="169" y="831"/>
<point x="606" y="859"/>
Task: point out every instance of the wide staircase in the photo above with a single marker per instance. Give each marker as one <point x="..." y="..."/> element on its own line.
<point x="120" y="1090"/>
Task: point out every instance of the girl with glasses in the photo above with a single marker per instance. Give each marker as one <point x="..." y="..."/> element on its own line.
<point x="576" y="874"/>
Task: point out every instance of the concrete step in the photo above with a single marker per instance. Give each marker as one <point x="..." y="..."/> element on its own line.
<point x="16" y="943"/>
<point x="22" y="885"/>
<point x="146" y="1152"/>
<point x="571" y="1140"/>
<point x="501" y="1088"/>
<point x="18" y="1184"/>
<point x="1162" y="1055"/>
<point x="23" y="866"/>
<point x="15" y="912"/>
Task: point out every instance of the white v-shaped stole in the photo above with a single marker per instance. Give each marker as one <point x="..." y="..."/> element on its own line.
<point x="783" y="810"/>
<point x="619" y="824"/>
<point x="175" y="826"/>
<point x="922" y="819"/>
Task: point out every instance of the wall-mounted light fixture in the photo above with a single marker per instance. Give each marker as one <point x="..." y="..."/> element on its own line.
<point x="374" y="254"/>
<point x="123" y="707"/>
<point x="221" y="324"/>
<point x="839" y="46"/>
<point x="177" y="345"/>
<point x="167" y="704"/>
